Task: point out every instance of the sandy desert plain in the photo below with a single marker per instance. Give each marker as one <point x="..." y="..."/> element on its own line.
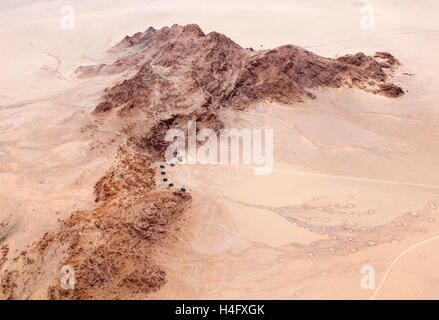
<point x="355" y="180"/>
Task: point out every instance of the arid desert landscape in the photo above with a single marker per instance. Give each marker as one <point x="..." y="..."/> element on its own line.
<point x="349" y="208"/>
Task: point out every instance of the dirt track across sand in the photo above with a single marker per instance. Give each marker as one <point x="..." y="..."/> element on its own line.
<point x="287" y="236"/>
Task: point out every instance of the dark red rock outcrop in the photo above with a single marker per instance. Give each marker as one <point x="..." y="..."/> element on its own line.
<point x="215" y="66"/>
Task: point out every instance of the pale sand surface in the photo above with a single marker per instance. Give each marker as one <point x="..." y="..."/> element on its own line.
<point x="302" y="232"/>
